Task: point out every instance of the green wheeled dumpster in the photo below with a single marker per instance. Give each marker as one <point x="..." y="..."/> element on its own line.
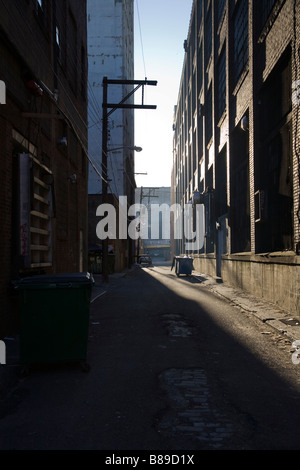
<point x="54" y="318"/>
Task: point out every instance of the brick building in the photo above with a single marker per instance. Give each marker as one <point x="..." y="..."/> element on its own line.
<point x="43" y="134"/>
<point x="236" y="142"/>
<point x="111" y="55"/>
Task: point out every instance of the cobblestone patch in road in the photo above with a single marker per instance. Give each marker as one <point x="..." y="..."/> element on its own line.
<point x="176" y="326"/>
<point x="190" y="412"/>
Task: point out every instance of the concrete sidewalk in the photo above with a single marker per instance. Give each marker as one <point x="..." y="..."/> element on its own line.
<point x="100" y="287"/>
<point x="281" y="320"/>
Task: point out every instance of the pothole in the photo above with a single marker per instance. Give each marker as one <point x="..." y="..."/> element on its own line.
<point x="176" y="326"/>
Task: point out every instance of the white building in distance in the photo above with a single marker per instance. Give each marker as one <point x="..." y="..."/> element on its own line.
<point x="111" y="54"/>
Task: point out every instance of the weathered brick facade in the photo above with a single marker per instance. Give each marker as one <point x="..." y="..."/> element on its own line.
<point x="43" y="192"/>
<point x="236" y="141"/>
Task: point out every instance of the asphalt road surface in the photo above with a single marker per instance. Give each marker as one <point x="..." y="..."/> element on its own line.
<point x="173" y="368"/>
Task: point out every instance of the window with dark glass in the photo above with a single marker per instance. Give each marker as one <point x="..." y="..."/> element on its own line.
<point x="57" y="41"/>
<point x="61" y="31"/>
<point x="208" y="36"/>
<point x="199" y="12"/>
<point x="83" y="72"/>
<point x="200" y="68"/>
<point x="220" y="9"/>
<point x="266" y="8"/>
<point x="72" y="52"/>
<point x="208" y="116"/>
<point x="221" y="71"/>
<point x="240" y="28"/>
<point x="41" y="13"/>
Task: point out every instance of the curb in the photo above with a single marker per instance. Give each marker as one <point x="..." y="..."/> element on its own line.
<point x="100" y="287"/>
<point x="270" y="314"/>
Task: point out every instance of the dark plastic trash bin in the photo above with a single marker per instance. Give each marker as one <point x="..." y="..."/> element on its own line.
<point x="183" y="265"/>
<point x="54" y="318"/>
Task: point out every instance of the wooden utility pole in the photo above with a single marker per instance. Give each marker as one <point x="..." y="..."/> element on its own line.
<point x="113" y="107"/>
<point x="105" y="176"/>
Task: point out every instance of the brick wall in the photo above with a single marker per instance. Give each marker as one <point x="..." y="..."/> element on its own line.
<point x="27" y="51"/>
<point x="296" y="124"/>
<point x="273" y="51"/>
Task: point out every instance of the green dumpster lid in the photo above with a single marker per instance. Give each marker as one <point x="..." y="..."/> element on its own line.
<point x="74" y="278"/>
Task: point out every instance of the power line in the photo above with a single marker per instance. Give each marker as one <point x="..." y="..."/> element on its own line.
<point x="68" y="116"/>
<point x="140" y="29"/>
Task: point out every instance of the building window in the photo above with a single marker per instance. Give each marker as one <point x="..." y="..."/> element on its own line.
<point x="222" y="83"/>
<point x="57" y="36"/>
<point x="57" y="41"/>
<point x="39" y="5"/>
<point x="72" y="52"/>
<point x="60" y="32"/>
<point x="199" y="13"/>
<point x="208" y="116"/>
<point x="83" y="73"/>
<point x="208" y="36"/>
<point x="275" y="97"/>
<point x="83" y="162"/>
<point x="200" y="137"/>
<point x="41" y="13"/>
<point x="200" y="69"/>
<point x="221" y="6"/>
<point x="241" y="48"/>
<point x="266" y="8"/>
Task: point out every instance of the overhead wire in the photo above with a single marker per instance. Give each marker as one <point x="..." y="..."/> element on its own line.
<point x="42" y="56"/>
<point x="98" y="122"/>
<point x="141" y="38"/>
<point x="94" y="110"/>
<point x="82" y="138"/>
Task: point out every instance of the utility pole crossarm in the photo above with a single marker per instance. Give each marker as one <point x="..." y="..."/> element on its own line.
<point x="131" y="82"/>
<point x="131" y="106"/>
<point x="122" y="105"/>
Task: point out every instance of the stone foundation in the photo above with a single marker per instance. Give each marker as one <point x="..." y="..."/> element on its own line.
<point x="273" y="277"/>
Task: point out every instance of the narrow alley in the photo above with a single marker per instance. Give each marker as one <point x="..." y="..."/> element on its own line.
<point x="172" y="367"/>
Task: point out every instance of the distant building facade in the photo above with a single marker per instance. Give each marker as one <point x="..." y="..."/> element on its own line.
<point x="43" y="127"/>
<point x="159" y="221"/>
<point x="111" y="55"/>
<point x="236" y="142"/>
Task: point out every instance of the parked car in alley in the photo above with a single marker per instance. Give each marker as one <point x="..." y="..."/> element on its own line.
<point x="145" y="260"/>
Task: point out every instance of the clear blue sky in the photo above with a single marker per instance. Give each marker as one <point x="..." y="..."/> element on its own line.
<point x="161" y="27"/>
